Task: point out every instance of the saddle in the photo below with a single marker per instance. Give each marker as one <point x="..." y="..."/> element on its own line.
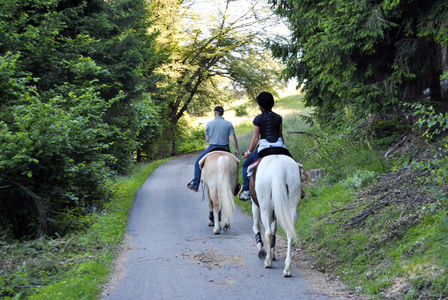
<point x="219" y="150"/>
<point x="274" y="151"/>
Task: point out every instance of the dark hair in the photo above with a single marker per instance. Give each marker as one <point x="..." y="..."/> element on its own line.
<point x="265" y="100"/>
<point x="219" y="109"/>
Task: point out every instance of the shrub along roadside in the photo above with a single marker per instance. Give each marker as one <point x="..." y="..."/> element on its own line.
<point x="74" y="266"/>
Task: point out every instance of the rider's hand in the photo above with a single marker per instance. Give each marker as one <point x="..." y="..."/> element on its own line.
<point x="237" y="152"/>
<point x="246" y="154"/>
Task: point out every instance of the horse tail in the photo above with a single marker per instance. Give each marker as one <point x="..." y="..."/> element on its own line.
<point x="282" y="205"/>
<point x="225" y="187"/>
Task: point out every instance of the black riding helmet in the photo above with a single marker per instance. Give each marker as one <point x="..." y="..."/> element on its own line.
<point x="265" y="100"/>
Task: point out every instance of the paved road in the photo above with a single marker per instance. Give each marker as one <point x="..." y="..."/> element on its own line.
<point x="174" y="254"/>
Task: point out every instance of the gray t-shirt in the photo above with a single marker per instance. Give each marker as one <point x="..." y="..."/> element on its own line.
<point x="219" y="131"/>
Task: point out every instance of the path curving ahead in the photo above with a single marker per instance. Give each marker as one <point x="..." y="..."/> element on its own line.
<point x="173" y="254"/>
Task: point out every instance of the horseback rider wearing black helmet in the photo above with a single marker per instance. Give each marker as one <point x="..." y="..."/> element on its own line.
<point x="267" y="133"/>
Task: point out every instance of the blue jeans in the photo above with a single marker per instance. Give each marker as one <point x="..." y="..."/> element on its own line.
<point x="197" y="169"/>
<point x="252" y="158"/>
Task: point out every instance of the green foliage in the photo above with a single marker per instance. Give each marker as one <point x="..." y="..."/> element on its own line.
<point x="434" y="125"/>
<point x="342" y="153"/>
<point x="192" y="137"/>
<point x="370" y="54"/>
<point x="11" y="283"/>
<point x="71" y="116"/>
<point x="359" y="179"/>
<point x="86" y="284"/>
<point x="433" y="122"/>
<point x="444" y="76"/>
<point x="54" y="151"/>
<point x="241" y="111"/>
<point x="353" y="225"/>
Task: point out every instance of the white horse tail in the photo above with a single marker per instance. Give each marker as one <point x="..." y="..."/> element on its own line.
<point x="281" y="203"/>
<point x="225" y="188"/>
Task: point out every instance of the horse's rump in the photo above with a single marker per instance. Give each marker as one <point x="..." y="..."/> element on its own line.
<point x="278" y="178"/>
<point x="213" y="154"/>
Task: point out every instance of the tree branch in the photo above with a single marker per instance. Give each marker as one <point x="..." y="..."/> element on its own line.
<point x="304" y="132"/>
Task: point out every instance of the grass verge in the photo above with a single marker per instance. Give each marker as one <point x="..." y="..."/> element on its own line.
<point x="75" y="266"/>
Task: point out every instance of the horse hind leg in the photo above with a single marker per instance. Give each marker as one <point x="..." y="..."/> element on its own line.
<point x="268" y="236"/>
<point x="287" y="269"/>
<point x="211" y="219"/>
<point x="227" y="225"/>
<point x="274" y="232"/>
<point x="256" y="229"/>
<point x="217" y="213"/>
<point x="269" y="258"/>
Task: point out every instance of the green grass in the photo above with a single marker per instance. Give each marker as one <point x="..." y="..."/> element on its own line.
<point x="78" y="265"/>
<point x="86" y="282"/>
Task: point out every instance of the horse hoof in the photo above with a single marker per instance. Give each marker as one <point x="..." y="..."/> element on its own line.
<point x="215" y="232"/>
<point x="211" y="223"/>
<point x="267" y="265"/>
<point x="226" y="227"/>
<point x="286" y="274"/>
<point x="261" y="254"/>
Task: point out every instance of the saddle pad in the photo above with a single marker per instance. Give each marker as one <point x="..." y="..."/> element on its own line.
<point x="201" y="162"/>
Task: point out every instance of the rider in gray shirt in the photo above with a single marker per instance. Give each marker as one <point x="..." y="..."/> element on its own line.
<point x="217" y="133"/>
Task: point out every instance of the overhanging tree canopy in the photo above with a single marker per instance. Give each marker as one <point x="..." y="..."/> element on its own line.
<point x="373" y="54"/>
<point x="214" y="45"/>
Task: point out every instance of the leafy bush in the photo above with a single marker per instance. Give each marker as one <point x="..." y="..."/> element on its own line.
<point x="434" y="123"/>
<point x="241" y="111"/>
<point x="53" y="156"/>
<point x="190" y="136"/>
<point x="70" y="116"/>
<point x="359" y="179"/>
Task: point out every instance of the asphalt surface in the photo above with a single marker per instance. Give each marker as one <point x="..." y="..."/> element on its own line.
<point x="173" y="254"/>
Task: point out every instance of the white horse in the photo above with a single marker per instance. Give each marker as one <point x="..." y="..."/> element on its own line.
<point x="275" y="188"/>
<point x="220" y="176"/>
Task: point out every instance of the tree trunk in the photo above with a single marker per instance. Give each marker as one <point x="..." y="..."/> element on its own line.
<point x="435" y="73"/>
<point x="139" y="154"/>
<point x="434" y="88"/>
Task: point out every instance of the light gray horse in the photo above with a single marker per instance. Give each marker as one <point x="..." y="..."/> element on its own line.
<point x="220" y="176"/>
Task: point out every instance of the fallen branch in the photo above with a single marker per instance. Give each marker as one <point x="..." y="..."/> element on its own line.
<point x="391" y="150"/>
<point x="365" y="213"/>
<point x="338" y="210"/>
<point x="304" y="132"/>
